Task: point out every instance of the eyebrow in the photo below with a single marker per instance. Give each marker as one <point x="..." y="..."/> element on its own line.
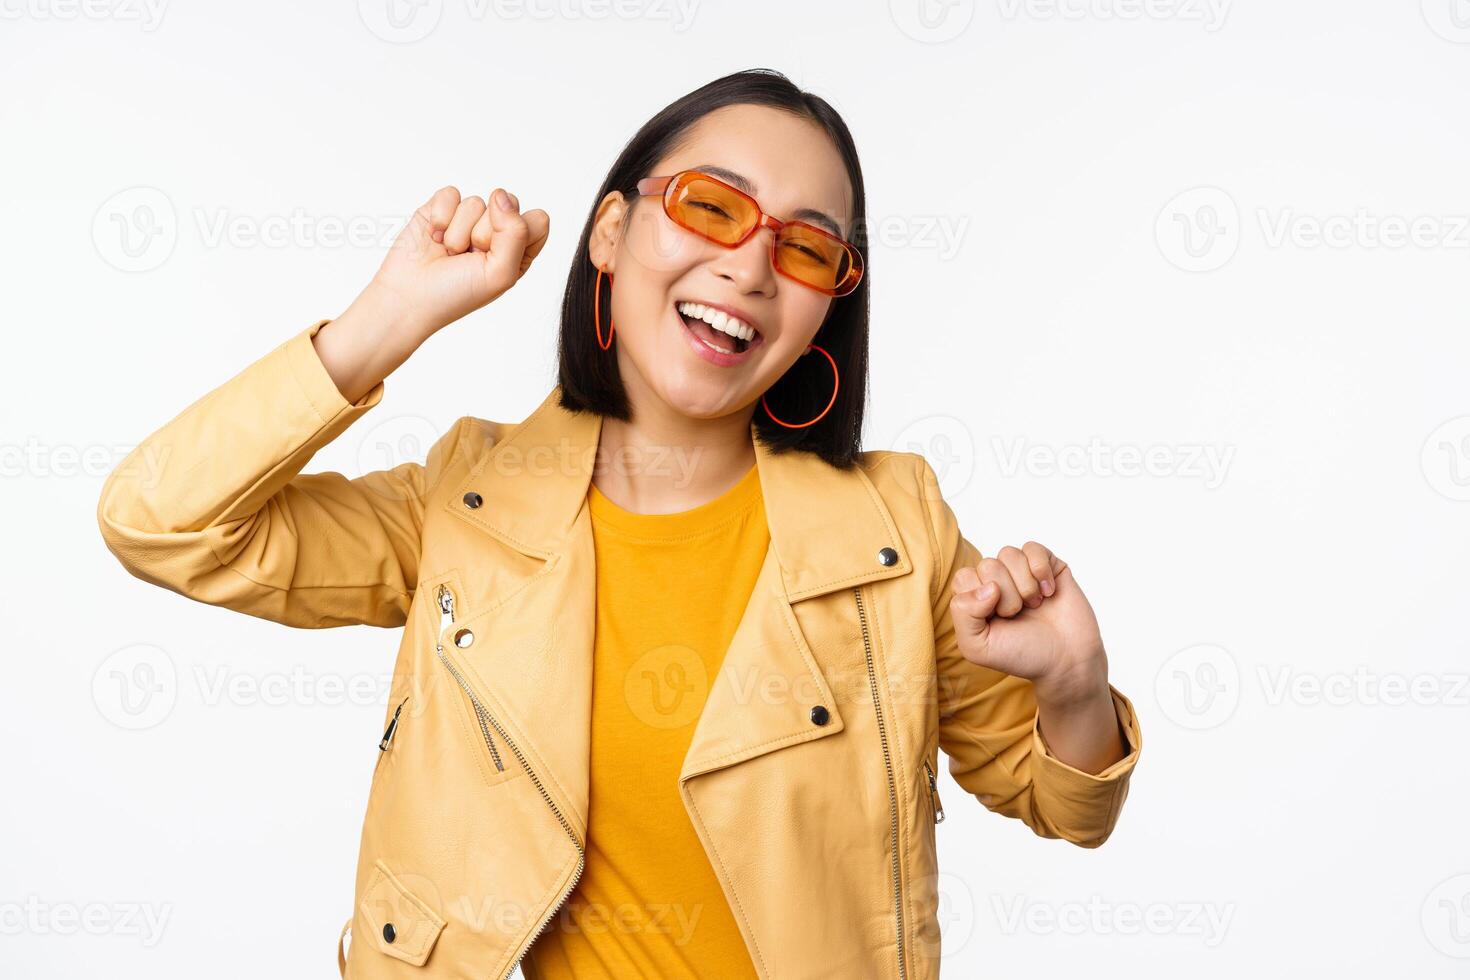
<point x="800" y="214"/>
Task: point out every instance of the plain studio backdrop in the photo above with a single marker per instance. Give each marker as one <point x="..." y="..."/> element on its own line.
<point x="1176" y="287"/>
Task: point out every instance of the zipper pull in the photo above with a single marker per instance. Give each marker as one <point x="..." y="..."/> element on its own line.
<point x="392" y="727"/>
<point x="934" y="793"/>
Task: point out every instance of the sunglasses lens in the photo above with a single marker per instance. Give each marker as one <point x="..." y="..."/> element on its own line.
<point x="816" y="259"/>
<point x="712" y="210"/>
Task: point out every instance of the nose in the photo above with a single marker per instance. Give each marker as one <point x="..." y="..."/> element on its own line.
<point x="748" y="266"/>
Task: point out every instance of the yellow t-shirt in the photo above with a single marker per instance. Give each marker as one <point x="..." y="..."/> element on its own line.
<point x="671" y="589"/>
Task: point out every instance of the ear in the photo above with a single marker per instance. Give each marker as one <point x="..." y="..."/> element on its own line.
<point x="607" y="228"/>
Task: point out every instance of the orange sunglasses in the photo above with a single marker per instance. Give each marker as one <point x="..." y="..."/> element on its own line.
<point x="728" y="216"/>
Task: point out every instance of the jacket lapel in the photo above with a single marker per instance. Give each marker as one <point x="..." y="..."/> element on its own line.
<point x="827" y="527"/>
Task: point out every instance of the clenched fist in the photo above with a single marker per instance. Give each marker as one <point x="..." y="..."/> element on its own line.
<point x="1022" y="613"/>
<point x="456" y="255"/>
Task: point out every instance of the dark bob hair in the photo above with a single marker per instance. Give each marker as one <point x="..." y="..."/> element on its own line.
<point x="589" y="376"/>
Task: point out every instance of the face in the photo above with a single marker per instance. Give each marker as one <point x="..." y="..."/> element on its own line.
<point x="792" y="169"/>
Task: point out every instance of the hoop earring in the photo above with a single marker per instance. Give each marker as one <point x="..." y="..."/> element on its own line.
<point x="597" y="310"/>
<point x="836" y="378"/>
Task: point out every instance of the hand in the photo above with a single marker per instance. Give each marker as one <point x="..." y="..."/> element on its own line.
<point x="454" y="256"/>
<point x="1022" y="613"/>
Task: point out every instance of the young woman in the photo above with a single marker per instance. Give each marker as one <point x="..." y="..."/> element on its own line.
<point x="678" y="658"/>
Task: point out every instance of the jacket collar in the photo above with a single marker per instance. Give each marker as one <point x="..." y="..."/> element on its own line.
<point x="827" y="525"/>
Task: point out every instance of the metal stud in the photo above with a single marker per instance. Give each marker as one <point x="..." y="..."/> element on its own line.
<point x="463" y="638"/>
<point x="388" y="934"/>
<point x="887" y="556"/>
<point x="820" y="715"/>
<point x="473" y="500"/>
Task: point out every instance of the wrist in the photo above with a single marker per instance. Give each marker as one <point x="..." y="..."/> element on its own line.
<point x="379" y="311"/>
<point x="1075" y="685"/>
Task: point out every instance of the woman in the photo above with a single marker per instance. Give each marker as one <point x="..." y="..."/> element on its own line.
<point x="678" y="657"/>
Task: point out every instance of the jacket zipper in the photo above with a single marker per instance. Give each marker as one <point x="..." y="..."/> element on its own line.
<point x="392" y="727"/>
<point x="857" y="593"/>
<point x="934" y="793"/>
<point x="446" y="616"/>
<point x="446" y="608"/>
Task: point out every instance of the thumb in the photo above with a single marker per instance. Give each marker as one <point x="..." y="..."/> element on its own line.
<point x="509" y="237"/>
<point x="972" y="607"/>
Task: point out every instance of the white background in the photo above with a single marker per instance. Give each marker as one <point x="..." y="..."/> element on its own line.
<point x="1232" y="238"/>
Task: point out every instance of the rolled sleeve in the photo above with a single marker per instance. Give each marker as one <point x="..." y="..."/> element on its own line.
<point x="1086" y="804"/>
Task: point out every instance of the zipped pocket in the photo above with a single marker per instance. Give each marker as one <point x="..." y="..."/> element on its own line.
<point x="934" y="803"/>
<point x="392" y="728"/>
<point x="444" y="600"/>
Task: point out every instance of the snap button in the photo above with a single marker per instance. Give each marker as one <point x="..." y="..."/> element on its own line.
<point x="388" y="934"/>
<point x="473" y="500"/>
<point x="887" y="556"/>
<point x="463" y="638"/>
<point x="820" y="715"/>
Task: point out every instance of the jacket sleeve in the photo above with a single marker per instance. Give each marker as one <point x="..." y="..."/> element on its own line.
<point x="213" y="505"/>
<point x="988" y="720"/>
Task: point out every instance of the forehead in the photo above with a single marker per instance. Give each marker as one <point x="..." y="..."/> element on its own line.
<point x="787" y="163"/>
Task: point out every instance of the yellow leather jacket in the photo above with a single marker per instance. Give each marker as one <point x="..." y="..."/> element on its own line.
<point x="811" y="774"/>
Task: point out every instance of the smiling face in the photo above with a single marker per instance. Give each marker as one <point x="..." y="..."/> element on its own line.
<point x="668" y="283"/>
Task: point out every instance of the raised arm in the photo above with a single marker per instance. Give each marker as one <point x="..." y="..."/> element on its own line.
<point x="214" y="505"/>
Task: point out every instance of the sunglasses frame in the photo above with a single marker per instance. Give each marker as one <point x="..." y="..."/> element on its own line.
<point x="665" y="187"/>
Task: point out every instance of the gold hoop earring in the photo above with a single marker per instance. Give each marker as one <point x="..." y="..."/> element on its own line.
<point x="836" y="379"/>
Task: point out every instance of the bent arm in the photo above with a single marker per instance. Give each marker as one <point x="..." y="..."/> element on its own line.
<point x="213" y="505"/>
<point x="990" y="724"/>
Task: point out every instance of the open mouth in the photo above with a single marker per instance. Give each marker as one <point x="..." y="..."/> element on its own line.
<point x="721" y="333"/>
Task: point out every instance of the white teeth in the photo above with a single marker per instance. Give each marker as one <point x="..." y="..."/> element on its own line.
<point x="718" y="319"/>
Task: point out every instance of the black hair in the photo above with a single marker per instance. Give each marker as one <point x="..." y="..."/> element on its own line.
<point x="589" y="376"/>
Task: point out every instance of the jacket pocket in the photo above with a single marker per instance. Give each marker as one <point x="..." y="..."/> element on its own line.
<point x="400" y="923"/>
<point x="492" y="755"/>
<point x="931" y="780"/>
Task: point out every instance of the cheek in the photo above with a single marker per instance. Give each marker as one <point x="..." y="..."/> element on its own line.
<point x="655" y="245"/>
<point x="802" y="316"/>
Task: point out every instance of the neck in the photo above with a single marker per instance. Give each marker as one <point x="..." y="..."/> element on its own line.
<point x="663" y="462"/>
